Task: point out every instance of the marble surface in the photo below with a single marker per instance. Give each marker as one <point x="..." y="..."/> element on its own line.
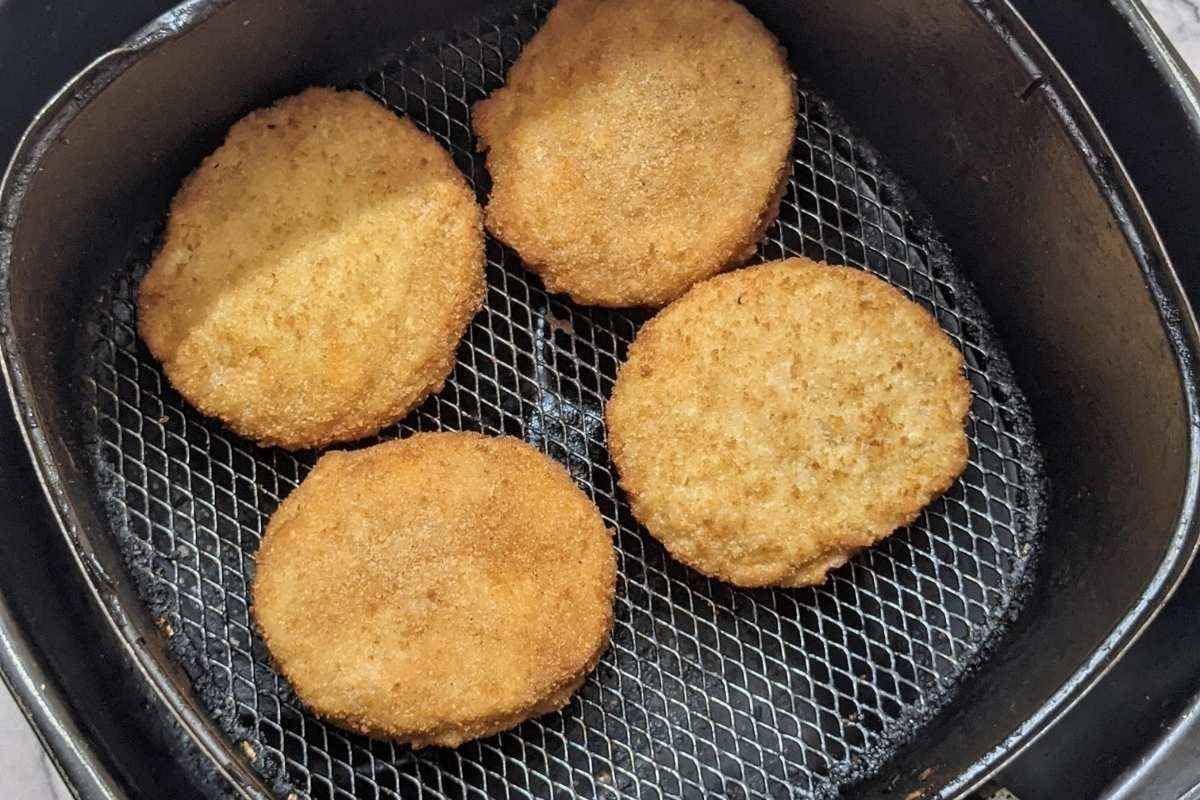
<point x="25" y="772"/>
<point x="1180" y="20"/>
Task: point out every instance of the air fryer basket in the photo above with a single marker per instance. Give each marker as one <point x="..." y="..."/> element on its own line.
<point x="972" y="626"/>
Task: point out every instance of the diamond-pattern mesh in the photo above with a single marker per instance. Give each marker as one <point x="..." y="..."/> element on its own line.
<point x="707" y="690"/>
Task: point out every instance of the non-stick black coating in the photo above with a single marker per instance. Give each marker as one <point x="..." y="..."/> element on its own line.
<point x="1026" y="221"/>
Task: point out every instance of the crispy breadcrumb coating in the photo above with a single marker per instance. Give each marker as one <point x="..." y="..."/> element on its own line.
<point x="776" y="420"/>
<point x="316" y="273"/>
<point x="436" y="589"/>
<point x="639" y="146"/>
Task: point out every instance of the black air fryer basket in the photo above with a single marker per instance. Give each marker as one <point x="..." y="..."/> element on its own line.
<point x="939" y="146"/>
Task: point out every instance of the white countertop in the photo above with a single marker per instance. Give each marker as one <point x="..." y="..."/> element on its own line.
<point x="25" y="773"/>
<point x="1180" y="20"/>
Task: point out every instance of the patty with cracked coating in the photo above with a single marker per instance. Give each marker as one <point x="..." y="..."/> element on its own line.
<point x="316" y="273"/>
<point x="776" y="420"/>
<point x="638" y="146"/>
<point x="436" y="589"/>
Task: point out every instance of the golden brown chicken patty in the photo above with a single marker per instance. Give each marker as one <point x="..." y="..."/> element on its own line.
<point x="774" y="421"/>
<point x="639" y="146"/>
<point x="316" y="273"/>
<point x="436" y="589"/>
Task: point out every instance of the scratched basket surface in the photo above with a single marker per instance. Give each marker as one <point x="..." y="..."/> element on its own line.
<point x="707" y="689"/>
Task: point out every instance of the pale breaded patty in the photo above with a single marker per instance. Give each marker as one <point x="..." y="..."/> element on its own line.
<point x="774" y="421"/>
<point x="639" y="146"/>
<point x="316" y="273"/>
<point x="436" y="589"/>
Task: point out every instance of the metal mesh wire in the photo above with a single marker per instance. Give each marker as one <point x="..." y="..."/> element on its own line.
<point x="707" y="689"/>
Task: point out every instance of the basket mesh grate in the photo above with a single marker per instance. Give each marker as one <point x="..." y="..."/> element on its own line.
<point x="707" y="689"/>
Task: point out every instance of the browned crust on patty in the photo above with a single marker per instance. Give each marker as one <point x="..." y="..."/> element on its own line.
<point x="639" y="146"/>
<point x="436" y="589"/>
<point x="778" y="419"/>
<point x="317" y="272"/>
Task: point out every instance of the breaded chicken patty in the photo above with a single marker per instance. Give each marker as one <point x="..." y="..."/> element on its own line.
<point x="639" y="146"/>
<point x="436" y="589"/>
<point x="776" y="420"/>
<point x="317" y="272"/>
